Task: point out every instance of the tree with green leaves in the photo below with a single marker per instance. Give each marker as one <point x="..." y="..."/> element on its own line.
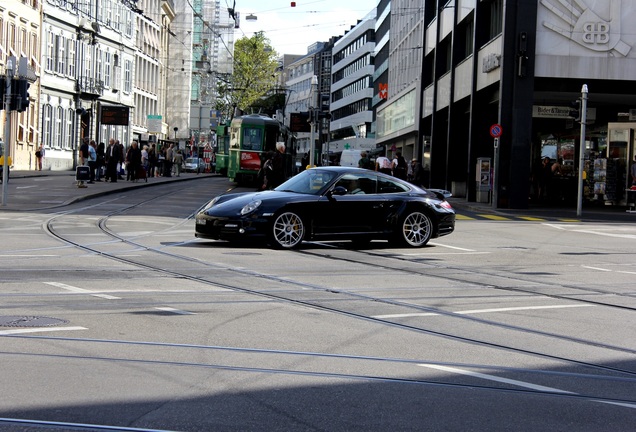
<point x="254" y="75"/>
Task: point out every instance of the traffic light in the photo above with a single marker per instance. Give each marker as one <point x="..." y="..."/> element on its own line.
<point x="323" y="113"/>
<point x="23" y="92"/>
<point x="19" y="95"/>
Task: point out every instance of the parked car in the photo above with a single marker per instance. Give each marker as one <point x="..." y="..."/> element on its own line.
<point x="330" y="203"/>
<point x="194" y="164"/>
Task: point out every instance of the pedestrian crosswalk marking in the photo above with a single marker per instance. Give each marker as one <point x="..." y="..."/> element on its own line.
<point x="464" y="217"/>
<point x="532" y="218"/>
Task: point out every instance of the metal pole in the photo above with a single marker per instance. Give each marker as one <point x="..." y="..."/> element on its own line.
<point x="7" y="129"/>
<point x="495" y="177"/>
<point x="579" y="202"/>
<point x="314" y="98"/>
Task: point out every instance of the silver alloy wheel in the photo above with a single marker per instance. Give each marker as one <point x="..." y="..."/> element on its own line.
<point x="288" y="230"/>
<point x="417" y="229"/>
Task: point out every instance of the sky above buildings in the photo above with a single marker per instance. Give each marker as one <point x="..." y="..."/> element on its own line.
<point x="292" y="29"/>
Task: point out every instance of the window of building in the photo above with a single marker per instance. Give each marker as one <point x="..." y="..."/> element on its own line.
<point x="47" y="124"/>
<point x="127" y="76"/>
<point x="68" y="132"/>
<point x="71" y="57"/>
<point x="496" y="18"/>
<point x="60" y="43"/>
<point x="59" y="128"/>
<point x="107" y="69"/>
<point x="50" y="51"/>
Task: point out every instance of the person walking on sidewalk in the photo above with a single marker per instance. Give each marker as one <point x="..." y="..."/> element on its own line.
<point x="177" y="160"/>
<point x="39" y="156"/>
<point x="92" y="161"/>
<point x="83" y="159"/>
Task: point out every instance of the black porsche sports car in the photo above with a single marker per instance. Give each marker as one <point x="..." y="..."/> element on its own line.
<point x="330" y="203"/>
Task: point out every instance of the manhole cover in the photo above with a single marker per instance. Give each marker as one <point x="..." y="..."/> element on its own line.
<point x="30" y="321"/>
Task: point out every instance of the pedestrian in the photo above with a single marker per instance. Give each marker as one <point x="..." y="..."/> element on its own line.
<point x="399" y="166"/>
<point x="416" y="172"/>
<point x="265" y="173"/>
<point x="133" y="161"/>
<point x="144" y="158"/>
<point x="83" y="159"/>
<point x="152" y="160"/>
<point x="383" y="164"/>
<point x="122" y="157"/>
<point x="101" y="161"/>
<point x="112" y="160"/>
<point x="167" y="169"/>
<point x="632" y="172"/>
<point x="177" y="160"/>
<point x="364" y="161"/>
<point x="277" y="175"/>
<point x="39" y="156"/>
<point x="92" y="161"/>
<point x="545" y="178"/>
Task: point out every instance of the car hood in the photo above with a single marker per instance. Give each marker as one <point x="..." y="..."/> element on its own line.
<point x="236" y="201"/>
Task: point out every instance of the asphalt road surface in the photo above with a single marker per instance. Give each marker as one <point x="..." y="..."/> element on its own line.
<point x="113" y="316"/>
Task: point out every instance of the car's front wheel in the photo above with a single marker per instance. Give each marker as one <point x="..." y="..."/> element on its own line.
<point x="415" y="230"/>
<point x="288" y="230"/>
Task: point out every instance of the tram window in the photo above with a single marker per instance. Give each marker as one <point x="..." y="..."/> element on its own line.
<point x="252" y="139"/>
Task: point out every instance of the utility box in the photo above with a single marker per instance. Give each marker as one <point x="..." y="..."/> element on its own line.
<point x="483" y="180"/>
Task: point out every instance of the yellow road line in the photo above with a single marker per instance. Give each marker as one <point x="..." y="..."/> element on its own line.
<point x="494" y="217"/>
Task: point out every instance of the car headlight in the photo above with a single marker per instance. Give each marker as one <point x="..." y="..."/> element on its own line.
<point x="250" y="207"/>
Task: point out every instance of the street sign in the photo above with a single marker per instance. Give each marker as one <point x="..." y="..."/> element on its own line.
<point x="495" y="130"/>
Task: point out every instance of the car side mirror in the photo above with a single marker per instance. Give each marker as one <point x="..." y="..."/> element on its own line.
<point x="338" y="191"/>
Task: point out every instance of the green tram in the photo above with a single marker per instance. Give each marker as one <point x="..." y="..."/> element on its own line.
<point x="222" y="148"/>
<point x="249" y="137"/>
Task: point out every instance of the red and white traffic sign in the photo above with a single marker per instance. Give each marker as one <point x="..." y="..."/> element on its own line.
<point x="495" y="130"/>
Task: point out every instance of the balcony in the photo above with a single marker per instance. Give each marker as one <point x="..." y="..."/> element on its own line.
<point x="89" y="88"/>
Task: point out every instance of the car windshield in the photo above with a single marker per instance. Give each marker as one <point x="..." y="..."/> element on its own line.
<point x="311" y="181"/>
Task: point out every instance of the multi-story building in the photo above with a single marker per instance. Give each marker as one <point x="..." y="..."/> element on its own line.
<point x="20" y="28"/>
<point x="352" y="87"/>
<point x="495" y="92"/>
<point x="86" y="81"/>
<point x="381" y="59"/>
<point x="150" y="82"/>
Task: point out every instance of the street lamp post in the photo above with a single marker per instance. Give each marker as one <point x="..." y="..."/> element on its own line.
<point x="313" y="108"/>
<point x="579" y="202"/>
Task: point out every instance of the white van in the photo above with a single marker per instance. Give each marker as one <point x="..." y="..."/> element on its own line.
<point x="350" y="158"/>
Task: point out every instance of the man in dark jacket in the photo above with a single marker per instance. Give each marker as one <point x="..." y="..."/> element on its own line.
<point x="113" y="157"/>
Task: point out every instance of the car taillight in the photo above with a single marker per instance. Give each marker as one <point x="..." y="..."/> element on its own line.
<point x="446" y="205"/>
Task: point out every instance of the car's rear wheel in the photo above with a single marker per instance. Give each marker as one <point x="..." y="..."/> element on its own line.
<point x="288" y="230"/>
<point x="416" y="229"/>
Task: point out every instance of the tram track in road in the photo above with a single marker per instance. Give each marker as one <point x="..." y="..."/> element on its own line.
<point x="289" y="296"/>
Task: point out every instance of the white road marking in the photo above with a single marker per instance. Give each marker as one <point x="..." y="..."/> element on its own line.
<point x="82" y="290"/>
<point x="590" y="231"/>
<point x="596" y="268"/>
<point x="523" y="384"/>
<point x="452" y="247"/>
<point x="175" y="311"/>
<point x="38" y="329"/>
<point x="26" y="256"/>
<point x="25" y="187"/>
<point x="479" y="311"/>
<point x="494" y="378"/>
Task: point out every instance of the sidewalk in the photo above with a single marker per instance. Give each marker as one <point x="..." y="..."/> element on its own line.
<point x="41" y="190"/>
<point x="589" y="212"/>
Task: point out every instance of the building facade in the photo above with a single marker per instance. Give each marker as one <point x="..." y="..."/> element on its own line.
<point x="498" y="79"/>
<point x="352" y="87"/>
<point x="20" y="33"/>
